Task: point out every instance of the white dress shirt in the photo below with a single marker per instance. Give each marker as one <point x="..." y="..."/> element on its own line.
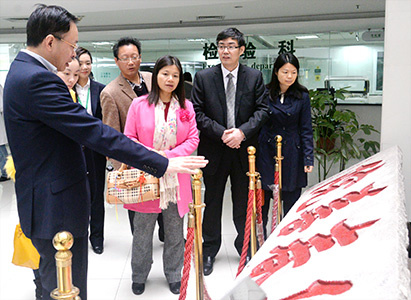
<point x="235" y="76"/>
<point x="84" y="96"/>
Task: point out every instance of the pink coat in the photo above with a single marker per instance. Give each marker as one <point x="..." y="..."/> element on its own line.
<point x="140" y="127"/>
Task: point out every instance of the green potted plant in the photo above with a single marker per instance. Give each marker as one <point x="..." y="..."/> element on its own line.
<point x="337" y="132"/>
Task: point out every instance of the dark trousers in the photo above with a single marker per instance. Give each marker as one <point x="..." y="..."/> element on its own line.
<point x="288" y="198"/>
<point x="214" y="194"/>
<point x="96" y="167"/>
<point x="47" y="267"/>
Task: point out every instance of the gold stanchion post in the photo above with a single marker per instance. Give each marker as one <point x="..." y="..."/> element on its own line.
<point x="63" y="241"/>
<point x="252" y="185"/>
<point x="278" y="159"/>
<point x="198" y="240"/>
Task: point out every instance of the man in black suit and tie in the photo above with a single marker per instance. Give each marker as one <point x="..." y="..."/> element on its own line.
<point x="46" y="129"/>
<point x="230" y="112"/>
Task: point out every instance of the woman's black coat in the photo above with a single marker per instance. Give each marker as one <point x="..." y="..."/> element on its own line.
<point x="291" y="120"/>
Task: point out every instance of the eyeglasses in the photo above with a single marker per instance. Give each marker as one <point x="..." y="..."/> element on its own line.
<point x="68" y="43"/>
<point x="127" y="59"/>
<point x="229" y="48"/>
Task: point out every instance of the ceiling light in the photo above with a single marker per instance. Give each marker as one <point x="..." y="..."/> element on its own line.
<point x="307" y="37"/>
<point x="197" y="40"/>
<point x="17" y="19"/>
<point x="210" y="18"/>
<point x="101" y="43"/>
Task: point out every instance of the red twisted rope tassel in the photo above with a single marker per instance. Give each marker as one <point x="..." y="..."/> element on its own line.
<point x="187" y="263"/>
<point x="260" y="227"/>
<point x="206" y="294"/>
<point x="276" y="192"/>
<point x="247" y="231"/>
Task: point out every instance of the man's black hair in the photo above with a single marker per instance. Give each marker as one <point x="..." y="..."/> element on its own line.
<point x="45" y="20"/>
<point x="124" y="41"/>
<point x="233" y="33"/>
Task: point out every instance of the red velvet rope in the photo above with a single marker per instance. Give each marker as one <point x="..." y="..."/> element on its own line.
<point x="187" y="263"/>
<point x="277" y="177"/>
<point x="275" y="202"/>
<point x="260" y="226"/>
<point x="206" y="295"/>
<point x="247" y="231"/>
<point x="259" y="205"/>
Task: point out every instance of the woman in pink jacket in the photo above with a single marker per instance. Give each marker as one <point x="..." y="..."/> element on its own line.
<point x="163" y="121"/>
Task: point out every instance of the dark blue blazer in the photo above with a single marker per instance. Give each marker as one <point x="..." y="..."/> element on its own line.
<point x="95" y="90"/>
<point x="45" y="129"/>
<point x="209" y="101"/>
<point x="291" y="120"/>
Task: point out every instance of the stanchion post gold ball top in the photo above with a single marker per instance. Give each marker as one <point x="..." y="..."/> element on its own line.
<point x="278" y="138"/>
<point x="251" y="150"/>
<point x="63" y="240"/>
<point x="198" y="174"/>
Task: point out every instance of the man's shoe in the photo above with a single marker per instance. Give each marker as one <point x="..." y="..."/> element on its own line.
<point x="98" y="249"/>
<point x="175" y="287"/>
<point x="4" y="178"/>
<point x="208" y="265"/>
<point x="138" y="288"/>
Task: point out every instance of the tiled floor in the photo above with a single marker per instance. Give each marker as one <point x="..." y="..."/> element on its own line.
<point x="109" y="276"/>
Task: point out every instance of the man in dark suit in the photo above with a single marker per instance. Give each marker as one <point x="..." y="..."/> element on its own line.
<point x="230" y="112"/>
<point x="46" y="129"/>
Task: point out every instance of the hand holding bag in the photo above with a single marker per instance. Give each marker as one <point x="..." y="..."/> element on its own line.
<point x="127" y="186"/>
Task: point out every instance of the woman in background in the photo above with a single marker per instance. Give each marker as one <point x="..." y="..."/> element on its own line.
<point x="88" y="95"/>
<point x="70" y="76"/>
<point x="163" y="121"/>
<point x="290" y="117"/>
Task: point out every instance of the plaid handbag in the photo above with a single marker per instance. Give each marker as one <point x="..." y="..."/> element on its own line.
<point x="127" y="186"/>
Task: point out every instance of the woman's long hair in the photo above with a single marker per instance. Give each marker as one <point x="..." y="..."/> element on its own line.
<point x="274" y="86"/>
<point x="178" y="93"/>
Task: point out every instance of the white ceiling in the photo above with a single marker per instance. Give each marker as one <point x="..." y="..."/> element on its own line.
<point x="107" y="20"/>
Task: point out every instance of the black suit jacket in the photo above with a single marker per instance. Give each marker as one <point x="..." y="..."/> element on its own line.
<point x="95" y="90"/>
<point x="45" y="129"/>
<point x="251" y="111"/>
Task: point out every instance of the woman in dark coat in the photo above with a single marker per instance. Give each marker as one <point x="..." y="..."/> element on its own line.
<point x="290" y="117"/>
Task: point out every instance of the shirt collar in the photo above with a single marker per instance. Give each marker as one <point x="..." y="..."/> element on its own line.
<point x="132" y="84"/>
<point x="49" y="66"/>
<point x="84" y="87"/>
<point x="225" y="71"/>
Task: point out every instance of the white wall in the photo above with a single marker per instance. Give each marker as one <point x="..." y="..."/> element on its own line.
<point x="396" y="108"/>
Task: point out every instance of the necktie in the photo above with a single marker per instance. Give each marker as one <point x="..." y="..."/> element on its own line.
<point x="230" y="99"/>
